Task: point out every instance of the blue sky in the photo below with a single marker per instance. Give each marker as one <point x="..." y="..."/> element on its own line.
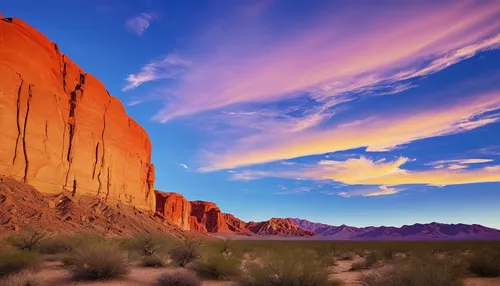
<point x="333" y="111"/>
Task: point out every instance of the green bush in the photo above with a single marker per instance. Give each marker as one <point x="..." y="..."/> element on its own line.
<point x="428" y="272"/>
<point x="185" y="252"/>
<point x="102" y="260"/>
<point x="149" y="244"/>
<point x="28" y="240"/>
<point x="25" y="278"/>
<point x="485" y="263"/>
<point x="57" y="244"/>
<point x="370" y="260"/>
<point x="217" y="266"/>
<point x="13" y="262"/>
<point x="153" y="261"/>
<point x="178" y="278"/>
<point x="288" y="268"/>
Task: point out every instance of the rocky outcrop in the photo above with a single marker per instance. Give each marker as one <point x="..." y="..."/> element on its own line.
<point x="236" y="225"/>
<point x="174" y="208"/>
<point x="278" y="226"/>
<point x="209" y="215"/>
<point x="61" y="130"/>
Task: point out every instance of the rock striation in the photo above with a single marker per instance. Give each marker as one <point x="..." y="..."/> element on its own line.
<point x="62" y="130"/>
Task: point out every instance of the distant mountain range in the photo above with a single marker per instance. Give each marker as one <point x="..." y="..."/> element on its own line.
<point x="428" y="231"/>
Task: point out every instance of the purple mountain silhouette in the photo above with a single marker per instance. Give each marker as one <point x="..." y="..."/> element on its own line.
<point x="418" y="231"/>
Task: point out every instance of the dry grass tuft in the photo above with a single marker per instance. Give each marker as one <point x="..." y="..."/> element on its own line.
<point x="178" y="278"/>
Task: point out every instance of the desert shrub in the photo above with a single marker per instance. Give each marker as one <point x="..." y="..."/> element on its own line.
<point x="485" y="263"/>
<point x="178" y="278"/>
<point x="290" y="268"/>
<point x="346" y="256"/>
<point x="101" y="260"/>
<point x="149" y="244"/>
<point x="153" y="261"/>
<point x="57" y="244"/>
<point x="185" y="252"/>
<point x="371" y="259"/>
<point x="28" y="240"/>
<point x="13" y="261"/>
<point x="388" y="253"/>
<point x="25" y="278"/>
<point x="428" y="272"/>
<point x="218" y="266"/>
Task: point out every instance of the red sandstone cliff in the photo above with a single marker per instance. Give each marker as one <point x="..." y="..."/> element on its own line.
<point x="278" y="226"/>
<point x="209" y="215"/>
<point x="60" y="127"/>
<point x="174" y="208"/>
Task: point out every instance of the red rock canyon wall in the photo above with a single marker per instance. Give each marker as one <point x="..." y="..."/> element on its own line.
<point x="60" y="128"/>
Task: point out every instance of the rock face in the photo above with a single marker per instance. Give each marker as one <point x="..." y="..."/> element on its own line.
<point x="174" y="208"/>
<point x="210" y="216"/>
<point x="278" y="226"/>
<point x="236" y="225"/>
<point x="61" y="130"/>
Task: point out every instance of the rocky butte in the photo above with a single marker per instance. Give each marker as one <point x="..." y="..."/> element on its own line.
<point x="62" y="130"/>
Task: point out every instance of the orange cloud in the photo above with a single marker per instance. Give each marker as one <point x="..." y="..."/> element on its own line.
<point x="377" y="133"/>
<point x="364" y="171"/>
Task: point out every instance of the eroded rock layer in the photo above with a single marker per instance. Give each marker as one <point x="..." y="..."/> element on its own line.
<point x="60" y="128"/>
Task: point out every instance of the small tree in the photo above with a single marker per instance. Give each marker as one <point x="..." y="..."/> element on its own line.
<point x="29" y="240"/>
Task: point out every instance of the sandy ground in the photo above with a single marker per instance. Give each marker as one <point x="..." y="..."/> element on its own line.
<point x="140" y="276"/>
<point x="57" y="275"/>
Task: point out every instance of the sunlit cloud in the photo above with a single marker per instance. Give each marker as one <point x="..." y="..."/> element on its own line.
<point x="379" y="55"/>
<point x="140" y="23"/>
<point x="365" y="171"/>
<point x="379" y="132"/>
<point x="170" y="67"/>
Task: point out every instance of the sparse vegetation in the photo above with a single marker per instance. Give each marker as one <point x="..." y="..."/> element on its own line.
<point x="15" y="261"/>
<point x="153" y="261"/>
<point x="186" y="252"/>
<point x="485" y="263"/>
<point x="178" y="278"/>
<point x="149" y="244"/>
<point x="370" y="260"/>
<point x="101" y="260"/>
<point x="218" y="266"/>
<point x="292" y="268"/>
<point x="29" y="239"/>
<point x="417" y="272"/>
<point x="25" y="278"/>
<point x="56" y="244"/>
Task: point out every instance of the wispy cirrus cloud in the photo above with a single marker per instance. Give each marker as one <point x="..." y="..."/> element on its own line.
<point x="378" y="132"/>
<point x="456" y="164"/>
<point x="367" y="191"/>
<point x="140" y="23"/>
<point x="338" y="62"/>
<point x="169" y="67"/>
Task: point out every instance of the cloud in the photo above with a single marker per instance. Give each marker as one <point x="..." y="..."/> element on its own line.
<point x="367" y="191"/>
<point x="355" y="56"/>
<point x="169" y="67"/>
<point x="139" y="24"/>
<point x="365" y="171"/>
<point x="287" y="191"/>
<point x="457" y="163"/>
<point x="182" y="165"/>
<point x="379" y="132"/>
